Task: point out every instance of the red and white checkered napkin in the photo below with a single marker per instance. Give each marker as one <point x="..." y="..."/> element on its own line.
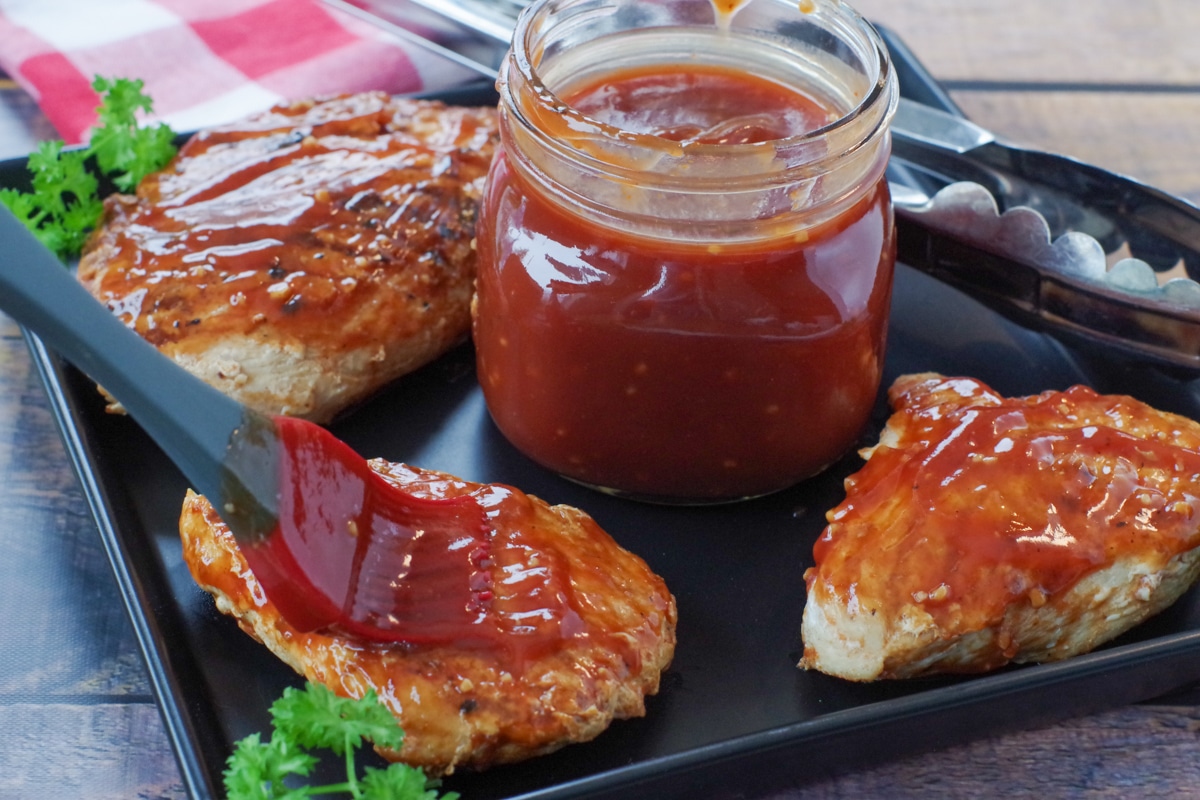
<point x="204" y="62"/>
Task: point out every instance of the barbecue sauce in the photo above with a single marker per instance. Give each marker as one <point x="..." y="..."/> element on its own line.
<point x="986" y="502"/>
<point x="351" y="552"/>
<point x="674" y="368"/>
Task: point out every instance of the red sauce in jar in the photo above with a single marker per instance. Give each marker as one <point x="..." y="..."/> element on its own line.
<point x="717" y="107"/>
<point x="679" y="369"/>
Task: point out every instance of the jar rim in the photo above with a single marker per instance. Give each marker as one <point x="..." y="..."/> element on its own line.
<point x="808" y="151"/>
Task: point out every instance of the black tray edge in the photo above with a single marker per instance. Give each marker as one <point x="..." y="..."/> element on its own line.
<point x="772" y="759"/>
<point x="839" y="742"/>
<point x="808" y="751"/>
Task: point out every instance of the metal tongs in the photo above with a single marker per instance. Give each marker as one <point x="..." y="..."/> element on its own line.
<point x="1092" y="257"/>
<point x="1078" y="251"/>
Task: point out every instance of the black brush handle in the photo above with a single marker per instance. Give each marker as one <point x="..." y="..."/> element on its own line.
<point x="191" y="421"/>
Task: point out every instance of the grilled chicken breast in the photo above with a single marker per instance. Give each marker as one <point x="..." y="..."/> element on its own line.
<point x="470" y="706"/>
<point x="984" y="530"/>
<point x="303" y="258"/>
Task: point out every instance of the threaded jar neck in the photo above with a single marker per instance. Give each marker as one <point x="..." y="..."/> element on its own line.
<point x="828" y="53"/>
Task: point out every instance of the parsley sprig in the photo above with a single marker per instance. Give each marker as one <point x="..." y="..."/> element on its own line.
<point x="65" y="203"/>
<point x="316" y="718"/>
<point x="124" y="149"/>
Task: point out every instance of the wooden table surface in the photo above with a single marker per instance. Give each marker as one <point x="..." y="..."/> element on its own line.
<point x="1108" y="81"/>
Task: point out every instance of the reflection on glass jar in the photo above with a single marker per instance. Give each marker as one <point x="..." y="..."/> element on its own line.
<point x="686" y="244"/>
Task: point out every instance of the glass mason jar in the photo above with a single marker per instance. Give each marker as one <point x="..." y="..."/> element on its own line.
<point x="686" y="243"/>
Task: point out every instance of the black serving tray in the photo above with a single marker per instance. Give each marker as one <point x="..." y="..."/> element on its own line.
<point x="734" y="718"/>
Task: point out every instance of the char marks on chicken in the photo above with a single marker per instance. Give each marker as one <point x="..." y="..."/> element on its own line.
<point x="303" y="258"/>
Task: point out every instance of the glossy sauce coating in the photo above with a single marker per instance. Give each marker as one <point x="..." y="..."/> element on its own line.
<point x="439" y="564"/>
<point x="471" y="706"/>
<point x="351" y="551"/>
<point x="293" y="219"/>
<point x="973" y="502"/>
<point x="663" y="367"/>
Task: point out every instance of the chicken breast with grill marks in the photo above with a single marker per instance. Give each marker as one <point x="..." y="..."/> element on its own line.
<point x="984" y="530"/>
<point x="301" y="259"/>
<point x="472" y="706"/>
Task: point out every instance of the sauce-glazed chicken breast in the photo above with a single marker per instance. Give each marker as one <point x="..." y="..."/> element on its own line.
<point x="304" y="257"/>
<point x="984" y="530"/>
<point x="612" y="634"/>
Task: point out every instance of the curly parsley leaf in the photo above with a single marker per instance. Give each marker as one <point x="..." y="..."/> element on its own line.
<point x="122" y="148"/>
<point x="23" y="206"/>
<point x="316" y="718"/>
<point x="399" y="782"/>
<point x="65" y="203"/>
<point x="258" y="769"/>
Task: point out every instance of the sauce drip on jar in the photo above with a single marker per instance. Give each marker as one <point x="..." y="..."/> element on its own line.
<point x="653" y="321"/>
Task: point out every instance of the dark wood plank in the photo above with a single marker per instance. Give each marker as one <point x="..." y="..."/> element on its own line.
<point x="22" y="124"/>
<point x="1141" y="751"/>
<point x="1109" y="82"/>
<point x="1149" y="136"/>
<point x="74" y="637"/>
<point x="1100" y="41"/>
<point x="77" y="718"/>
<point x="91" y="752"/>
